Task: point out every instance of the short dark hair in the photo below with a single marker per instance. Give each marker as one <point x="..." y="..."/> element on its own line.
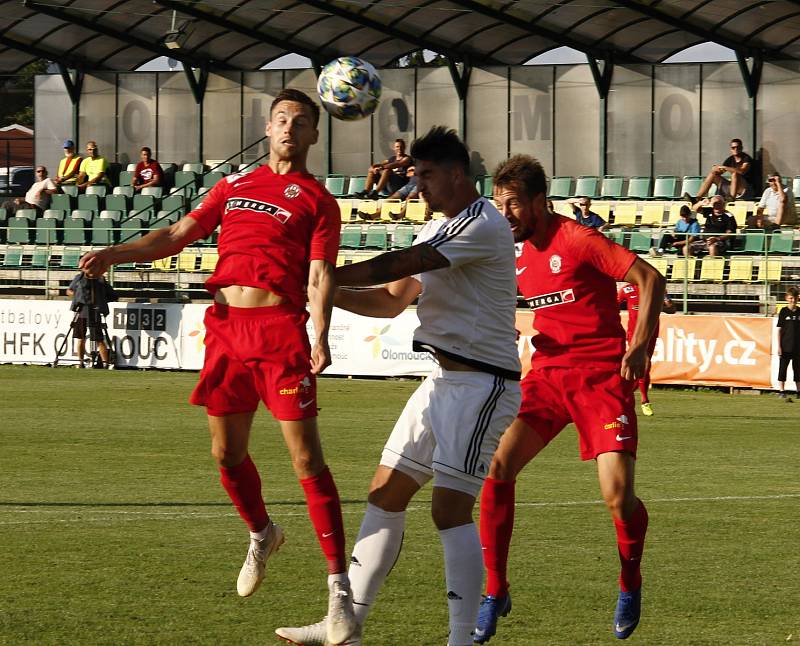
<point x="773" y="174"/>
<point x="290" y="94"/>
<point x="522" y="172"/>
<point x="441" y="145"/>
<point x="146" y="149"/>
<point x="685" y="210"/>
<point x="401" y="141"/>
<point x="736" y="140"/>
<point x="793" y="291"/>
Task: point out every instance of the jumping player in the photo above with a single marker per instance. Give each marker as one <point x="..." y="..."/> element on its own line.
<point x="580" y="373"/>
<point x="462" y="269"/>
<point x="628" y="296"/>
<point x="279" y="236"/>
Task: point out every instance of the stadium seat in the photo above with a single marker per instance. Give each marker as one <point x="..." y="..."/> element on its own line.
<point x="675" y="212"/>
<point x="165" y="218"/>
<point x="615" y="235"/>
<point x="144" y="203"/>
<point x="341" y="260"/>
<point x="560" y="187"/>
<point x="691" y="184"/>
<point x="664" y="187"/>
<point x="587" y="185"/>
<point x="117" y="203"/>
<point x="739" y="210"/>
<point x="226" y="168"/>
<point x="55" y="214"/>
<point x="782" y="242"/>
<point x="377" y="237"/>
<point x="740" y="270"/>
<point x="625" y="214"/>
<point x="111" y="214"/>
<point x="652" y="214"/>
<point x="638" y="188"/>
<point x="131" y="167"/>
<point x="345" y="209"/>
<point x="195" y="202"/>
<point x="487" y="186"/>
<point x="415" y="210"/>
<point x="602" y="208"/>
<point x="97" y="189"/>
<point x="164" y="264"/>
<point x="770" y="270"/>
<point x="437" y="215"/>
<point x="103" y="230"/>
<point x="335" y="185"/>
<point x="367" y="207"/>
<point x="640" y="241"/>
<point x="13" y="257"/>
<point x="47" y="231"/>
<point x="208" y="261"/>
<point x="356" y="184"/>
<point x="660" y="264"/>
<point x="402" y="236"/>
<point x="754" y="242"/>
<point x="562" y="207"/>
<point x="127" y="191"/>
<point x="70" y="189"/>
<point x="28" y="214"/>
<point x="40" y="257"/>
<point x="612" y="186"/>
<point x="683" y="269"/>
<point x="89" y="203"/>
<point x="62" y="202"/>
<point x="133" y="227"/>
<point x="247" y="167"/>
<point x="186" y="181"/>
<point x="126" y="178"/>
<point x="19" y="230"/>
<point x="196" y="168"/>
<point x="82" y="214"/>
<point x="155" y="191"/>
<point x="187" y="261"/>
<point x="211" y="178"/>
<point x="351" y="237"/>
<point x="391" y="208"/>
<point x="70" y="257"/>
<point x="75" y="229"/>
<point x="796" y="187"/>
<point x="712" y="269"/>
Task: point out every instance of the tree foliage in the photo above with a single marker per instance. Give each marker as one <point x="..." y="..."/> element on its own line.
<point x="16" y="95"/>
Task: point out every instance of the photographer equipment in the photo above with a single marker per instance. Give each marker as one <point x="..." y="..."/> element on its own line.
<point x="90" y="299"/>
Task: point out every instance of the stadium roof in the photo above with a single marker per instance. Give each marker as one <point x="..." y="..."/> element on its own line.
<point x="121" y="35"/>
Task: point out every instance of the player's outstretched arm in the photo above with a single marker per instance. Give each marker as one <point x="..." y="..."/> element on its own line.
<point x="651" y="286"/>
<point x="321" y="287"/>
<point x="160" y="243"/>
<point x="391" y="266"/>
<point x="380" y="302"/>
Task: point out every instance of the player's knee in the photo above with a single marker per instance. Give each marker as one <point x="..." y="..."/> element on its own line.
<point x="226" y="456"/>
<point x="620" y="503"/>
<point x="307" y="464"/>
<point x="504" y="467"/>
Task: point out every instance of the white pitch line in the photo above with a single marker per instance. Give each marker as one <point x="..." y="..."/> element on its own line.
<point x="84" y="515"/>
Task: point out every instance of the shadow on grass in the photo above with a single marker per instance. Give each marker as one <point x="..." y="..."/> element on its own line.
<point x="286" y="503"/>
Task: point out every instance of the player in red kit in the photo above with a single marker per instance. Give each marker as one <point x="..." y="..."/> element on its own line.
<point x="628" y="296"/>
<point x="580" y="373"/>
<point x="279" y="239"/>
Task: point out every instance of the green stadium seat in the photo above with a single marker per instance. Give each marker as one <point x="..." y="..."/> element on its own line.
<point x="754" y="242"/>
<point x="335" y="185"/>
<point x="377" y="237"/>
<point x="782" y="242"/>
<point x="70" y="258"/>
<point x="40" y="257"/>
<point x="144" y="203"/>
<point x="127" y="191"/>
<point x="211" y="178"/>
<point x="55" y="214"/>
<point x="75" y="230"/>
<point x="97" y="189"/>
<point x="615" y="235"/>
<point x="587" y="185"/>
<point x="165" y="218"/>
<point x="196" y="168"/>
<point x="117" y="203"/>
<point x="691" y="185"/>
<point x="28" y="214"/>
<point x="89" y="203"/>
<point x="226" y="168"/>
<point x="82" y="214"/>
<point x="131" y="167"/>
<point x="796" y="187"/>
<point x="640" y="241"/>
<point x="356" y="184"/>
<point x="47" y="231"/>
<point x="638" y="188"/>
<point x="402" y="236"/>
<point x="61" y="201"/>
<point x="126" y="178"/>
<point x="70" y="189"/>
<point x="487" y="188"/>
<point x="612" y="186"/>
<point x="19" y="230"/>
<point x="155" y="191"/>
<point x="103" y="231"/>
<point x="560" y="187"/>
<point x="133" y="227"/>
<point x="186" y="181"/>
<point x="664" y="187"/>
<point x="111" y="214"/>
<point x="712" y="269"/>
<point x="248" y="167"/>
<point x="351" y="237"/>
<point x="13" y="257"/>
<point x="3" y="223"/>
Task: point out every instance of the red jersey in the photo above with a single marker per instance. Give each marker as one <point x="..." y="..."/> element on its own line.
<point x="146" y="172"/>
<point x="571" y="284"/>
<point x="272" y="227"/>
<point x="629" y="295"/>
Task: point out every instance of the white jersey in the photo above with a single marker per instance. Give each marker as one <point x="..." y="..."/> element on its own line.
<point x="467" y="310"/>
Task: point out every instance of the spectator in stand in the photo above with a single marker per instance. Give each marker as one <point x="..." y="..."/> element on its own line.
<point x="93" y="168"/>
<point x="148" y="171"/>
<point x="740" y="167"/>
<point x="407" y="192"/>
<point x="789" y="345"/>
<point x="581" y="208"/>
<point x="778" y="202"/>
<point x="38" y="195"/>
<point x="681" y="236"/>
<point x="389" y="174"/>
<point x="720" y="228"/>
<point x="69" y="167"/>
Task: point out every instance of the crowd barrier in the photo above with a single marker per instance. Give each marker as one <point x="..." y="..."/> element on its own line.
<point x="735" y="351"/>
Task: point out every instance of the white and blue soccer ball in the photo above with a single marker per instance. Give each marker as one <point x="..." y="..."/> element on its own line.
<point x="349" y="88"/>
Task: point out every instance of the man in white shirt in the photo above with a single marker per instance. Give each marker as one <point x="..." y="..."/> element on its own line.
<point x="462" y="269"/>
<point x="38" y="195"/>
<point x="776" y="207"/>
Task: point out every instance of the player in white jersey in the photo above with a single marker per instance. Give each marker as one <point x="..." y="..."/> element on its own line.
<point x="462" y="270"/>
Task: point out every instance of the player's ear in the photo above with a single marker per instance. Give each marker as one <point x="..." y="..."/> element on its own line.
<point x="316" y="136"/>
<point x="268" y="127"/>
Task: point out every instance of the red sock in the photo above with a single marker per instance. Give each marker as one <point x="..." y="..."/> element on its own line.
<point x="243" y="485"/>
<point x="325" y="512"/>
<point x="644" y="386"/>
<point x="630" y="543"/>
<point x="497" y="523"/>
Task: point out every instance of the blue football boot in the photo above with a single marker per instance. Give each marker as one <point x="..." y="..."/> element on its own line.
<point x="626" y="616"/>
<point x="492" y="608"/>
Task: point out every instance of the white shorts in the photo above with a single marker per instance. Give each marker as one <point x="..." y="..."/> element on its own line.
<point x="450" y="428"/>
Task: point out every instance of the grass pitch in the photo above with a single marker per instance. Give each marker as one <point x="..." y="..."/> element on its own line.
<point x="114" y="529"/>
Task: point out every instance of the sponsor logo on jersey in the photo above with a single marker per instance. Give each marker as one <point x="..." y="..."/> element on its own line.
<point x="291" y="191"/>
<point x="555" y="263"/>
<point x="554" y="298"/>
<point x="612" y="426"/>
<point x="302" y="387"/>
<point x="256" y="206"/>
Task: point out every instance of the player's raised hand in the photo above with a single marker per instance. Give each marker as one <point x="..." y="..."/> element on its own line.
<point x="320" y="357"/>
<point x="95" y="263"/>
<point x="634" y="364"/>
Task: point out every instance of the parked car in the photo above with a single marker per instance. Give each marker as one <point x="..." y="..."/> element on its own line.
<point x="21" y="179"/>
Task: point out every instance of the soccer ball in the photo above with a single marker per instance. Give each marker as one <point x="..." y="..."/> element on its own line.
<point x="349" y="88"/>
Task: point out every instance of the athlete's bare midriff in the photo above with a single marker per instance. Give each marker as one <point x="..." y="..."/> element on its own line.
<point x="451" y="364"/>
<point x="241" y="296"/>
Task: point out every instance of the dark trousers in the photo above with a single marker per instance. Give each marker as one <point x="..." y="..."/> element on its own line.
<point x="783" y="363"/>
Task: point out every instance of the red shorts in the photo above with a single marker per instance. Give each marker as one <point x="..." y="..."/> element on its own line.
<point x="258" y="353"/>
<point x="599" y="401"/>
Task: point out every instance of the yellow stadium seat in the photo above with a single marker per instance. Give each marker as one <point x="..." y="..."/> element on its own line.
<point x="653" y="214"/>
<point x="345" y="209"/>
<point x="415" y="210"/>
<point x="208" y="260"/>
<point x="367" y="207"/>
<point x="683" y="269"/>
<point x="187" y="261"/>
<point x="603" y="209"/>
<point x="163" y="264"/>
<point x="391" y="208"/>
<point x="770" y="270"/>
<point x="739" y="210"/>
<point x="660" y="264"/>
<point x="712" y="268"/>
<point x="341" y="260"/>
<point x="437" y="215"/>
<point x="562" y="207"/>
<point x="675" y="212"/>
<point x="740" y="270"/>
<point x="625" y="214"/>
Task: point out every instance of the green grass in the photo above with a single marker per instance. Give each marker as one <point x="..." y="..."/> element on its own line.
<point x="115" y="530"/>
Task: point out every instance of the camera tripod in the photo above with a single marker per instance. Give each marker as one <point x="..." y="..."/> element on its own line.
<point x="97" y="331"/>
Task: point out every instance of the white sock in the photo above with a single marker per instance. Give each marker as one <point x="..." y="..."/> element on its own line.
<point x="374" y="554"/>
<point x="260" y="536"/>
<point x="463" y="566"/>
<point x="341" y="577"/>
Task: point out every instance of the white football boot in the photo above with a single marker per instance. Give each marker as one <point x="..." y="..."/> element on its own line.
<point x="252" y="573"/>
<point x="315" y="635"/>
<point x="341" y="616"/>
